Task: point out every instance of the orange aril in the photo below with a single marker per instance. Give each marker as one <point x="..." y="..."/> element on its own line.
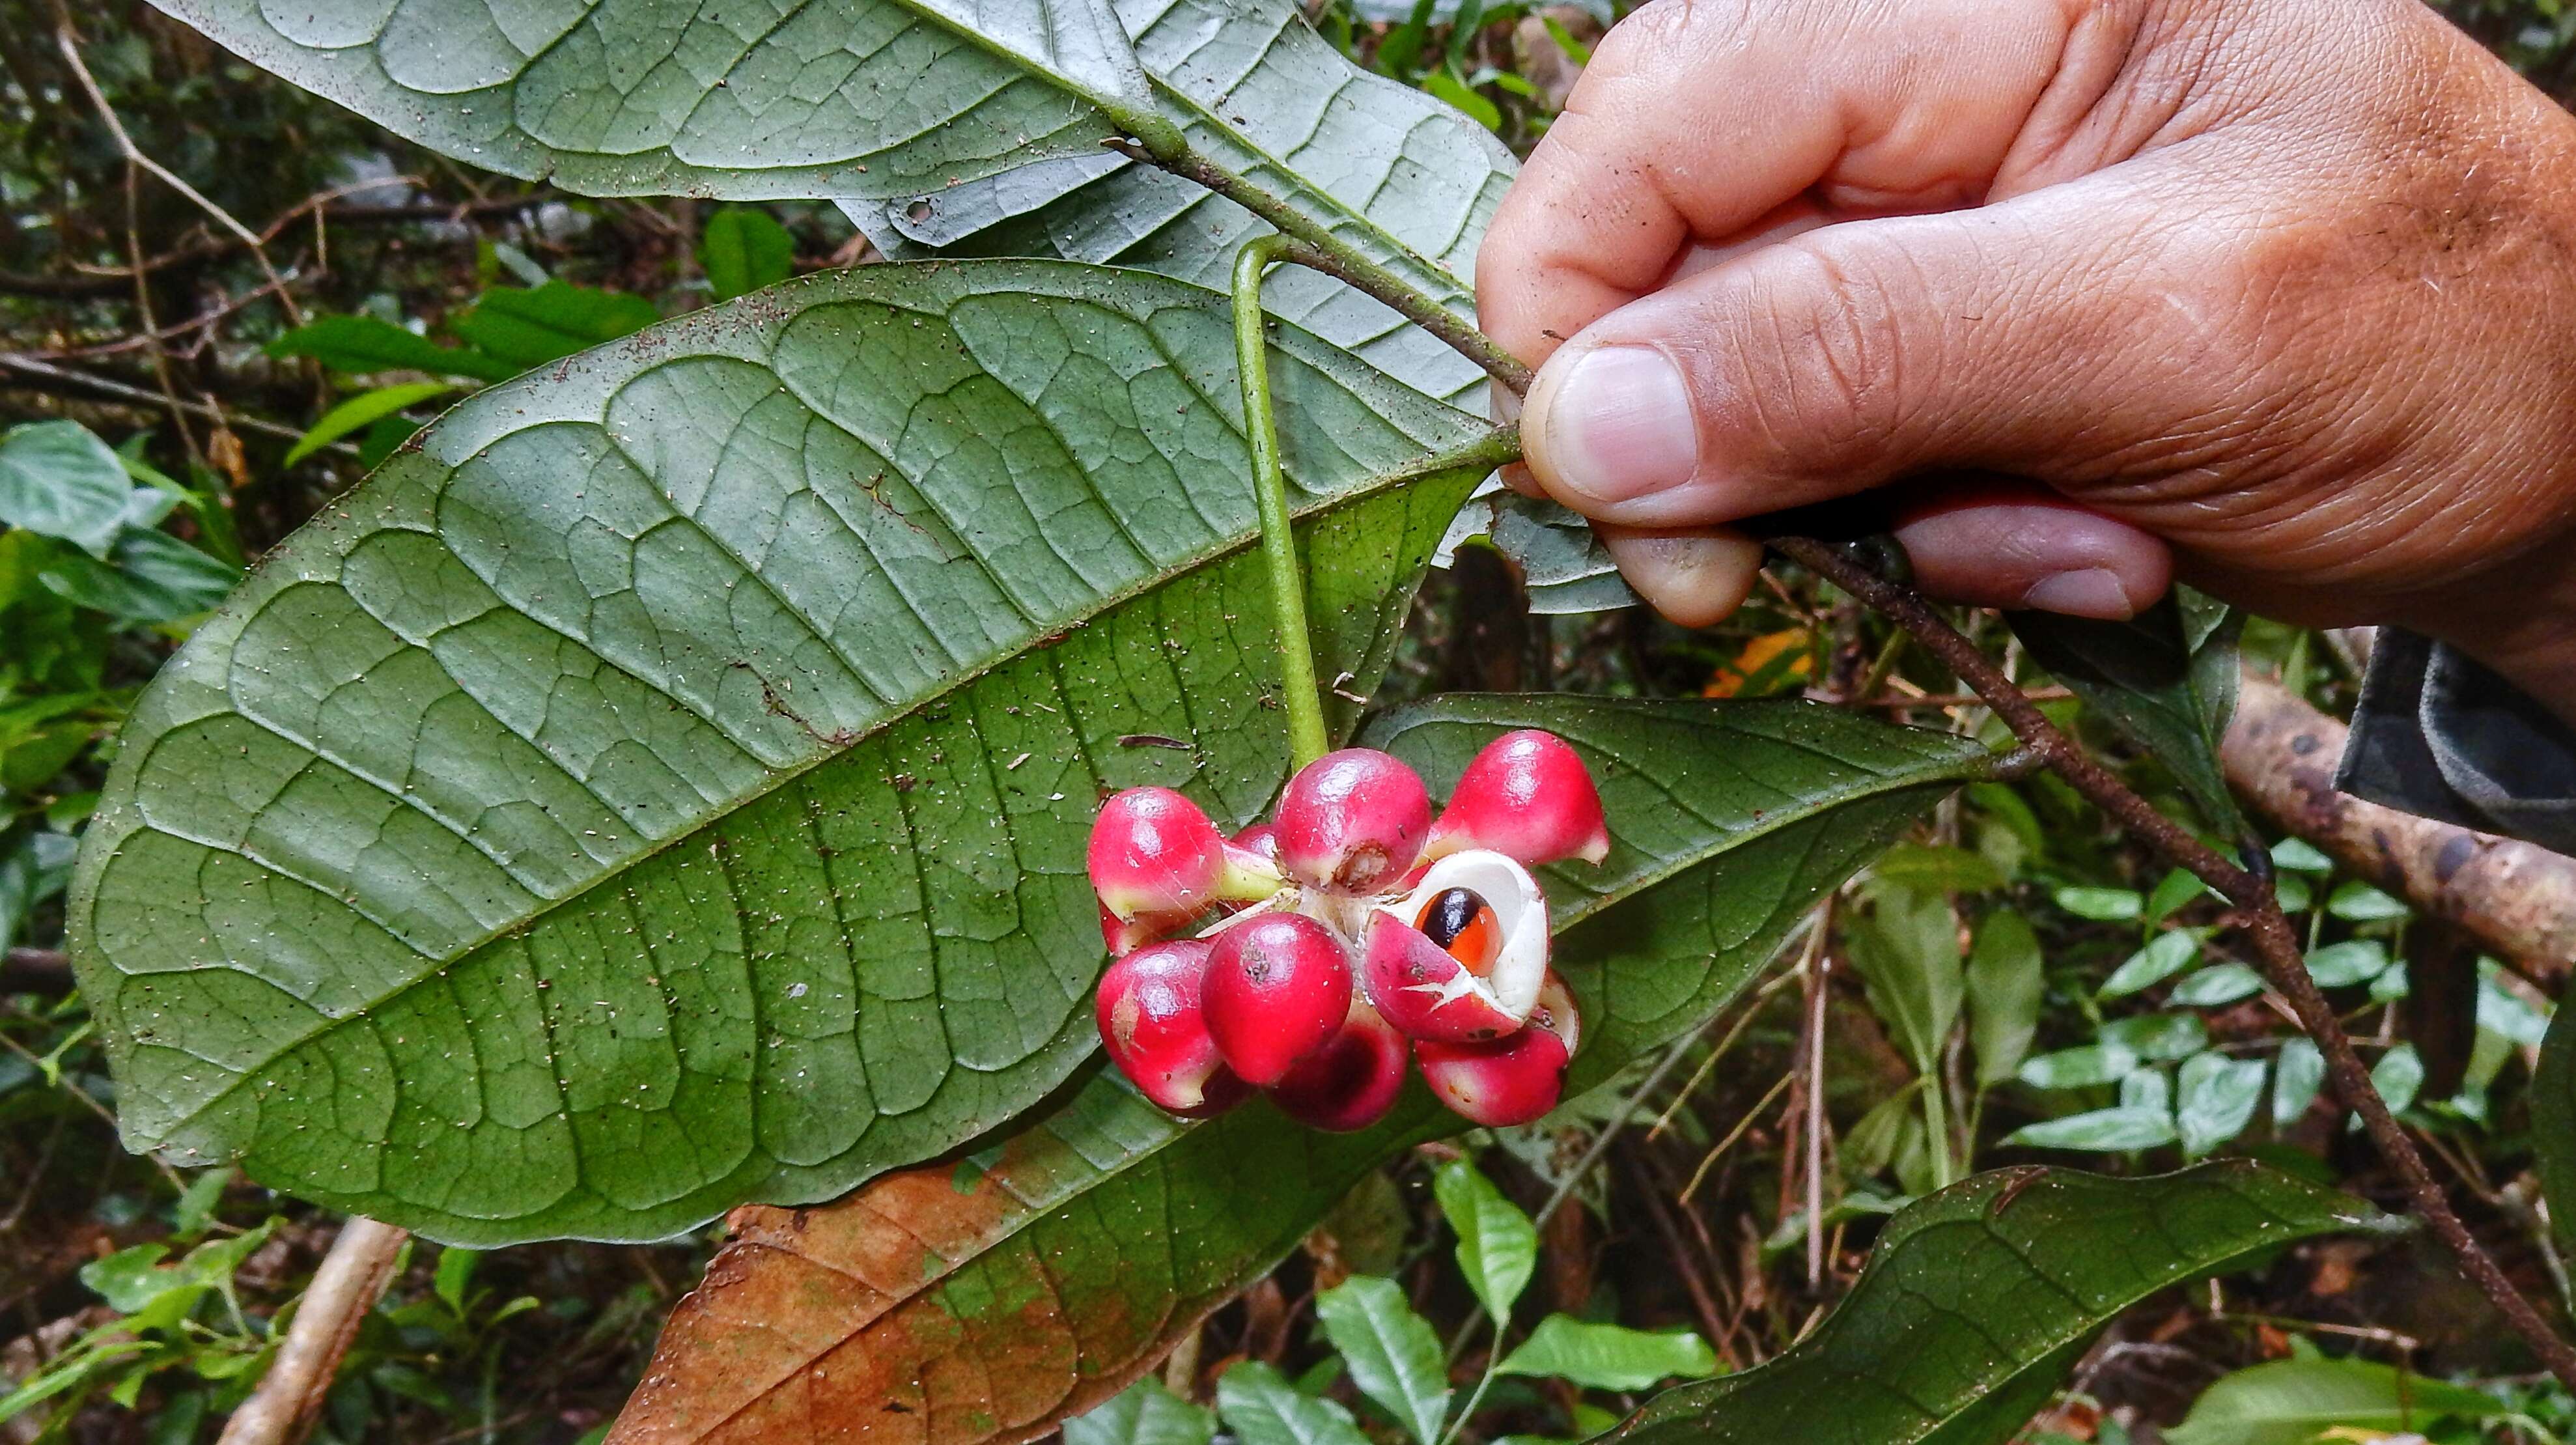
<point x="1465" y="927"/>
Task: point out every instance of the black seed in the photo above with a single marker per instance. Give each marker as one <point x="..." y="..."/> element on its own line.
<point x="1449" y="915"/>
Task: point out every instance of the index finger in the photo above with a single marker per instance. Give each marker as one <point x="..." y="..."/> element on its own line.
<point x="1711" y="124"/>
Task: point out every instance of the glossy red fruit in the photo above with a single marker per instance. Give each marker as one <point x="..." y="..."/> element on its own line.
<point x="1510" y="1081"/>
<point x="1350" y="1083"/>
<point x="1278" y="988"/>
<point x="1153" y="852"/>
<point x="1156" y="862"/>
<point x="1261" y="840"/>
<point x="1431" y="991"/>
<point x="1353" y="822"/>
<point x="1150" y="1016"/>
<point x="1125" y="935"/>
<point x="1527" y="796"/>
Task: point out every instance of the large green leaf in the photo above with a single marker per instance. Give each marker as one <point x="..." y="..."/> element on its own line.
<point x="2007" y="986"/>
<point x="1977" y="1299"/>
<point x="667" y="785"/>
<point x="941" y="124"/>
<point x="1047" y="1272"/>
<point x="630" y="97"/>
<point x="365" y="344"/>
<point x="530" y="326"/>
<point x="1906" y="949"/>
<point x="1608" y="1357"/>
<point x="1145" y="1414"/>
<point x="742" y="250"/>
<point x="1264" y="1409"/>
<point x="1497" y="1244"/>
<point x="57" y="479"/>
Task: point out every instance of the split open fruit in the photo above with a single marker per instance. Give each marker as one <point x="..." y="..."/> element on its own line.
<point x="1317" y="955"/>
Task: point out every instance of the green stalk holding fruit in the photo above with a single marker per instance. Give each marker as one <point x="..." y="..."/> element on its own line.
<point x="1313" y="957"/>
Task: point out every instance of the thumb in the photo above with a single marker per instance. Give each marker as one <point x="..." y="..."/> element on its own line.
<point x="2052" y="336"/>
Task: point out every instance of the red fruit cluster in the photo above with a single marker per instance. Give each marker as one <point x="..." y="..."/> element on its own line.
<point x="1312" y="956"/>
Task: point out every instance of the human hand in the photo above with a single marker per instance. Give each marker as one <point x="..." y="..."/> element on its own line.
<point x="2280" y="291"/>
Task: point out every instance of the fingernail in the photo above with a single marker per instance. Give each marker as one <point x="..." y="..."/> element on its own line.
<point x="2091" y="592"/>
<point x="1620" y="426"/>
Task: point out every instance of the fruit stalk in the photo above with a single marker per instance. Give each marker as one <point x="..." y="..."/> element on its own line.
<point x="1306" y="736"/>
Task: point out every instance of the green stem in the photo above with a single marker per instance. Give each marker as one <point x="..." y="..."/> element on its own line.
<point x="1307" y="739"/>
<point x="1936" y="1130"/>
<point x="1476" y="1397"/>
<point x="1315" y="247"/>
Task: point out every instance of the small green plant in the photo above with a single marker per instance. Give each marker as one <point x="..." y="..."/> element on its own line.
<point x="504" y="331"/>
<point x="178" y="1325"/>
<point x="92" y="573"/>
<point x="1394" y="1363"/>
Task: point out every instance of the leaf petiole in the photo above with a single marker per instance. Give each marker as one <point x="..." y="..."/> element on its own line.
<point x="1307" y="739"/>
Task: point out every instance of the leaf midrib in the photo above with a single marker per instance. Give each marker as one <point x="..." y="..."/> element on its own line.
<point x="1108" y="24"/>
<point x="1315" y="196"/>
<point x="1325" y="200"/>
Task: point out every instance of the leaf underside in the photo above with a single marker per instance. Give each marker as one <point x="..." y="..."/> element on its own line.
<point x="667" y="785"/>
<point x="945" y="127"/>
<point x="987" y="1299"/>
<point x="1398" y="175"/>
<point x="1977" y="1299"/>
<point x="627" y="97"/>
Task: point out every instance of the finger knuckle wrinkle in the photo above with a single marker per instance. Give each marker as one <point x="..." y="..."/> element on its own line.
<point x="1663" y="34"/>
<point x="1824" y="368"/>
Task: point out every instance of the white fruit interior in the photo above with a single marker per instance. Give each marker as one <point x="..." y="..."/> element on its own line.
<point x="1520" y="915"/>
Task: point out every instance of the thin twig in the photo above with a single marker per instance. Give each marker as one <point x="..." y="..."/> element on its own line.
<point x="1702" y="1303"/>
<point x="204" y="323"/>
<point x="66" y="381"/>
<point x="2276" y="945"/>
<point x="1742" y="1127"/>
<point x="1900" y="701"/>
<point x="87" y="280"/>
<point x="1572" y="1178"/>
<point x="106" y="1116"/>
<point x="36" y="970"/>
<point x="69" y="44"/>
<point x="1745" y="1021"/>
<point x="143" y="305"/>
<point x="1645" y="1088"/>
<point x="35" y="1178"/>
<point x="1820" y="981"/>
<point x="281" y="1409"/>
